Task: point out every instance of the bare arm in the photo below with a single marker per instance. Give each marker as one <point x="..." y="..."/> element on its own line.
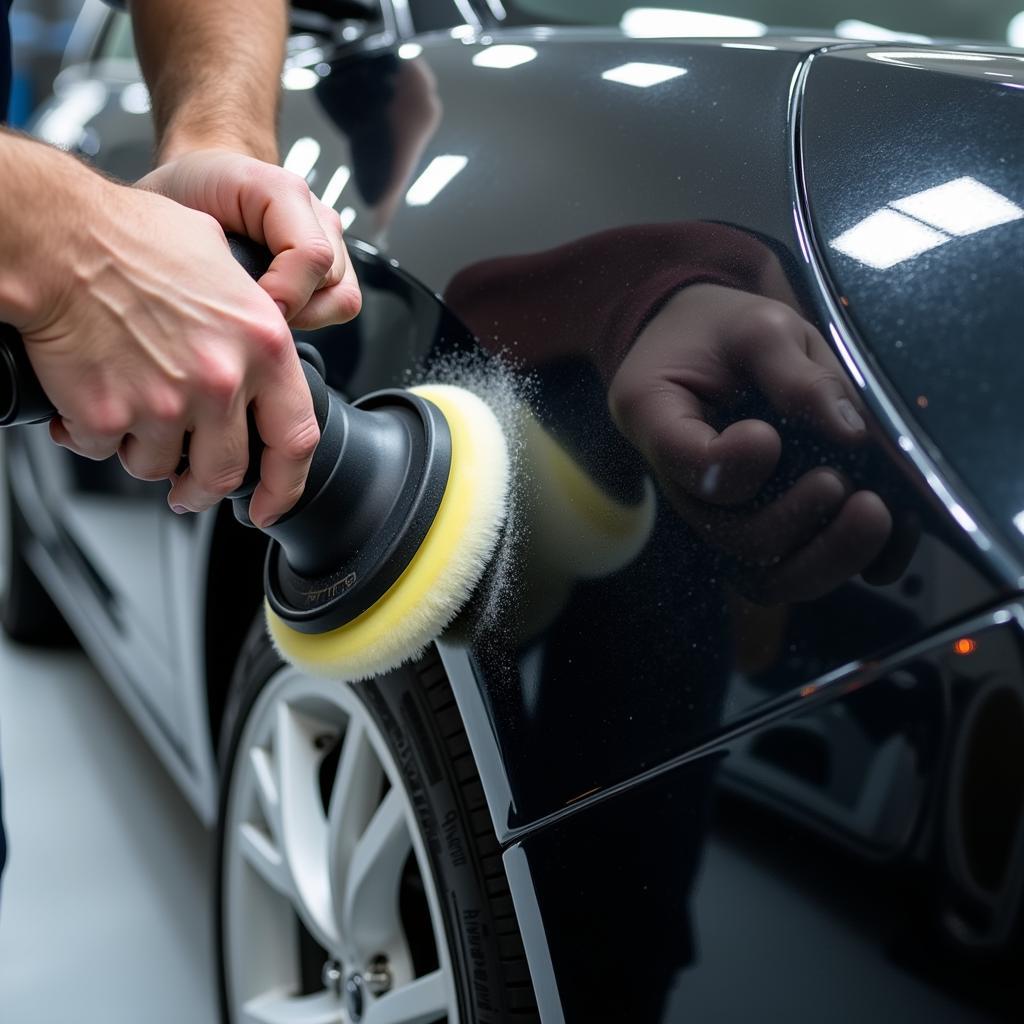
<point x="35" y="222"/>
<point x="213" y="70"/>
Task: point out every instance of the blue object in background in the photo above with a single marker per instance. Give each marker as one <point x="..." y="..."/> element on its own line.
<point x="38" y="40"/>
<point x="21" y="102"/>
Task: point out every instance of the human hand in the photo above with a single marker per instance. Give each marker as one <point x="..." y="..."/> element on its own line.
<point x="676" y="395"/>
<point x="311" y="277"/>
<point x="142" y="327"/>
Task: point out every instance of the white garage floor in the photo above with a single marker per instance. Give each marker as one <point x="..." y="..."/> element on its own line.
<point x="105" y="906"/>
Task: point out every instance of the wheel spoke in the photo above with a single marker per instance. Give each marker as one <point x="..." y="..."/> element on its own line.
<point x="303" y="823"/>
<point x="370" y="920"/>
<point x="422" y="1001"/>
<point x="261" y="853"/>
<point x="354" y="796"/>
<point x="279" y="1008"/>
<point x="332" y="852"/>
<point x="266" y="789"/>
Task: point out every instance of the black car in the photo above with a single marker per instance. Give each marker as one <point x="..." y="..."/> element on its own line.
<point x="735" y="731"/>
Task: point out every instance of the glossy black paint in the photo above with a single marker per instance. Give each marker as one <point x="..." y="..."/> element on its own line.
<point x="855" y="856"/>
<point x="942" y="323"/>
<point x="612" y="673"/>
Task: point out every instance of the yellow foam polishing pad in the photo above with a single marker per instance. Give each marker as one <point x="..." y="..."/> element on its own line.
<point x="445" y="570"/>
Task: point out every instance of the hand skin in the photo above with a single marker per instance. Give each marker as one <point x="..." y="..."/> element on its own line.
<point x="215" y="91"/>
<point x="311" y="277"/>
<point x="213" y="71"/>
<point x="137" y="320"/>
<point x="141" y="327"/>
<point x="705" y="346"/>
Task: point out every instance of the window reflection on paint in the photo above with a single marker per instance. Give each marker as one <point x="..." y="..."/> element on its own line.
<point x="438" y="174"/>
<point x="503" y="56"/>
<point x="335" y="186"/>
<point x="642" y="75"/>
<point x="663" y="23"/>
<point x="907" y="227"/>
<point x="302" y="156"/>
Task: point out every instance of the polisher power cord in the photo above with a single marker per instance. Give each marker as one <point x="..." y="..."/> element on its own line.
<point x="403" y="508"/>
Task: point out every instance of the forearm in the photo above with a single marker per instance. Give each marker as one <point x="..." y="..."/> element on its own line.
<point x="213" y="69"/>
<point x="46" y="206"/>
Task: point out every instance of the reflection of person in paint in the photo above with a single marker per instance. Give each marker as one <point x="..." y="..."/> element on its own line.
<point x="389" y="109"/>
<point x="707" y="363"/>
<point x="691" y="325"/>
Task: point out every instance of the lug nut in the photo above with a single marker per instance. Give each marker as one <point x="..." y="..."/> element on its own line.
<point x="332" y="976"/>
<point x="377" y="976"/>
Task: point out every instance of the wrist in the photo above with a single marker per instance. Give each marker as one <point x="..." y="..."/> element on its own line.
<point x="180" y="142"/>
<point x="49" y="235"/>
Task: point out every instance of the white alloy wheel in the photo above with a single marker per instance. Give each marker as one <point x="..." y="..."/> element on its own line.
<point x="321" y="849"/>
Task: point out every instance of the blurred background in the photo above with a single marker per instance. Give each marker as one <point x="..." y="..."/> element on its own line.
<point x="40" y="30"/>
<point x="104" y="909"/>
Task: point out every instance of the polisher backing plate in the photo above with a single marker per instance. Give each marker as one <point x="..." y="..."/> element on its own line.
<point x="445" y="570"/>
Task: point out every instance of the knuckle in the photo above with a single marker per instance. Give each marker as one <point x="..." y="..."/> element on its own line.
<point x="106" y="420"/>
<point x="274" y="341"/>
<point x="166" y="407"/>
<point x="765" y="320"/>
<point x="318" y="253"/>
<point x="302" y="441"/>
<point x="220" y="480"/>
<point x="220" y="380"/>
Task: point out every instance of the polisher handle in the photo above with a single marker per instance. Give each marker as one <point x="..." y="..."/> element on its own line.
<point x="22" y="398"/>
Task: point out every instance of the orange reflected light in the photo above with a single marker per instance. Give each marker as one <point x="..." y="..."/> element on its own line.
<point x="965" y="645"/>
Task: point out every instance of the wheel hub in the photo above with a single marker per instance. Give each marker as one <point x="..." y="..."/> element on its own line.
<point x="354" y="999"/>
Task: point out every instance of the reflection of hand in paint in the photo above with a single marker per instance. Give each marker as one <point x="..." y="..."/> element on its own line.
<point x="733" y="397"/>
<point x="389" y="109"/>
<point x="679" y="397"/>
<point x="414" y="115"/>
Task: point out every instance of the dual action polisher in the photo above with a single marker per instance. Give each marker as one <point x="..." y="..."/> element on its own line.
<point x="402" y="511"/>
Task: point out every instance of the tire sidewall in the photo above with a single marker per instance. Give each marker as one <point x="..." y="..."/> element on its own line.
<point x="399" y="707"/>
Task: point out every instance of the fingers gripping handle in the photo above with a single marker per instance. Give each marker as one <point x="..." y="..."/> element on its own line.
<point x="22" y="398"/>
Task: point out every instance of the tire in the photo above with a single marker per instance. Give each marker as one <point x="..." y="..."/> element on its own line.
<point x="27" y="614"/>
<point x="455" y="921"/>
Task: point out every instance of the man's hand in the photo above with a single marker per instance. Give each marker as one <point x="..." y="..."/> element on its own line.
<point x="142" y="328"/>
<point x="311" y="277"/>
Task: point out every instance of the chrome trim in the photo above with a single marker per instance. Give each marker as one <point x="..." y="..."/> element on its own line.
<point x="849" y="677"/>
